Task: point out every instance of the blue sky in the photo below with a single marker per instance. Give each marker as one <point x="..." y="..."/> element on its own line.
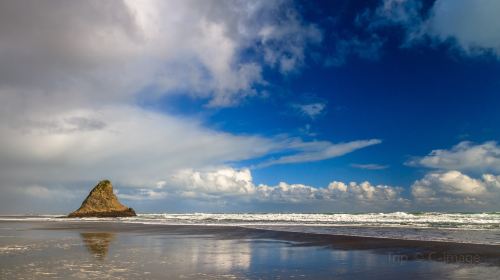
<point x="263" y="106"/>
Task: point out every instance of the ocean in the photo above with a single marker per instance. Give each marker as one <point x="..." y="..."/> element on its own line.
<point x="474" y="228"/>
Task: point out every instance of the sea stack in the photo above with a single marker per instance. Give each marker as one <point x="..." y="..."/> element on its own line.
<point x="102" y="202"/>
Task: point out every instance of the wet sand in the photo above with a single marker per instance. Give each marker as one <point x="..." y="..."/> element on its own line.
<point x="97" y="250"/>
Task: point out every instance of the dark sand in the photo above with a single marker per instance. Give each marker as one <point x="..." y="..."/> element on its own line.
<point x="107" y="250"/>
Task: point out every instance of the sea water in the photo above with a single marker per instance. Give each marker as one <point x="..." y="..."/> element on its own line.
<point x="476" y="228"/>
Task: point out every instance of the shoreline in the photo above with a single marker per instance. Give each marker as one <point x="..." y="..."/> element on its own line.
<point x="400" y="249"/>
<point x="113" y="250"/>
<point x="259" y="226"/>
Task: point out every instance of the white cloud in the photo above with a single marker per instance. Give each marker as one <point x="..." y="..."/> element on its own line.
<point x="470" y="25"/>
<point x="284" y="44"/>
<point x="452" y="183"/>
<point x="292" y="193"/>
<point x="310" y="110"/>
<point x="442" y="189"/>
<point x="404" y="12"/>
<point x="455" y="187"/>
<point x="363" y="193"/>
<point x="71" y="74"/>
<point x="319" y="150"/>
<point x="238" y="186"/>
<point x="128" y="144"/>
<point x="133" y="148"/>
<point x="95" y="52"/>
<point x="224" y="181"/>
<point x="473" y="24"/>
<point x="465" y="156"/>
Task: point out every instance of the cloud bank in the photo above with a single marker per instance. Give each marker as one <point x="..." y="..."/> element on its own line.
<point x="446" y="186"/>
<point x="457" y="188"/>
<point x="237" y="186"/>
<point x="465" y="176"/>
<point x="465" y="156"/>
<point x="231" y="189"/>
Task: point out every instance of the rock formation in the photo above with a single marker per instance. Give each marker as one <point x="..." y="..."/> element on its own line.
<point x="102" y="202"/>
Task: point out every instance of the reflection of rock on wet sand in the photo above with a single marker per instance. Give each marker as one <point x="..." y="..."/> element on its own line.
<point x="97" y="243"/>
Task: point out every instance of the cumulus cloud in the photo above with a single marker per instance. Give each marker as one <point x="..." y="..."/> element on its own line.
<point x="463" y="175"/>
<point x="189" y="183"/>
<point x="455" y="187"/>
<point x="237" y="184"/>
<point x="469" y="25"/>
<point x="465" y="156"/>
<point x="221" y="182"/>
<point x="362" y="193"/>
<point x="365" y="191"/>
<point x="438" y="189"/>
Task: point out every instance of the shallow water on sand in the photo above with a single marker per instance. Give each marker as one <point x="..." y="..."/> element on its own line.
<point x="30" y="250"/>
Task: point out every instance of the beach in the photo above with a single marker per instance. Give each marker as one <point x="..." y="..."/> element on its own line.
<point x="79" y="249"/>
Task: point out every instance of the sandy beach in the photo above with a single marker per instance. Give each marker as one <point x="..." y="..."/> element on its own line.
<point x="111" y="250"/>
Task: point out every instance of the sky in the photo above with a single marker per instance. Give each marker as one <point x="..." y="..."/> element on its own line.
<point x="251" y="106"/>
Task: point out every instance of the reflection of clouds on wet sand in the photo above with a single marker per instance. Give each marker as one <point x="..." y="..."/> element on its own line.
<point x="97" y="243"/>
<point x="226" y="255"/>
<point x="212" y="255"/>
